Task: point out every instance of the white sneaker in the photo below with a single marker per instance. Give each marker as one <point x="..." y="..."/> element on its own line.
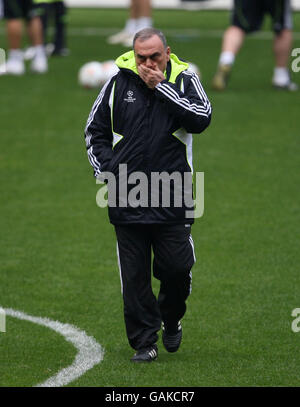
<point x="120" y="37"/>
<point x="29" y="53"/>
<point x="282" y="80"/>
<point x="39" y="64"/>
<point x="290" y="86"/>
<point x="49" y="48"/>
<point x="15" y="66"/>
<point x="2" y="69"/>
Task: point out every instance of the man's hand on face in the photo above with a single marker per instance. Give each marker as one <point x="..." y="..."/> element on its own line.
<point x="151" y="77"/>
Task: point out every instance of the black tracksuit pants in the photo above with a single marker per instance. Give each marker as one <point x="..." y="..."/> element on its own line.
<point x="173" y="258"/>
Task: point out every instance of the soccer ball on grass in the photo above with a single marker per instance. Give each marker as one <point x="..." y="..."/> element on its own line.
<point x="94" y="74"/>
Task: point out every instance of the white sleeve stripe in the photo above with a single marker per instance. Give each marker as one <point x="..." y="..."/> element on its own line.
<point x="204" y="108"/>
<point x="96" y="105"/>
<point x="183" y="102"/>
<point x="180" y="104"/>
<point x="198" y="86"/>
<point x="88" y="139"/>
<point x="200" y="90"/>
<point x="93" y="160"/>
<point x="88" y="136"/>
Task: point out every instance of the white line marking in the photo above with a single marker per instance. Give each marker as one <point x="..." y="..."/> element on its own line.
<point x="189" y="32"/>
<point x="90" y="352"/>
<point x="168" y="4"/>
<point x="175" y="32"/>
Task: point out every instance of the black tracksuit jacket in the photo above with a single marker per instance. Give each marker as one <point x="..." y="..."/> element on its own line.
<point x="148" y="130"/>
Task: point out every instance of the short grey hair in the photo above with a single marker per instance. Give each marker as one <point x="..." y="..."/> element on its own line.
<point x="147" y="33"/>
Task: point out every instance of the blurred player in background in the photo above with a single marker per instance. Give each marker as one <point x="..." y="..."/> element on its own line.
<point x="14" y="12"/>
<point x="139" y="18"/>
<point x="247" y="17"/>
<point x="57" y="11"/>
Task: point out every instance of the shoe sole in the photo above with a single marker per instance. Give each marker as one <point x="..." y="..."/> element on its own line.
<point x="286" y="88"/>
<point x="142" y="361"/>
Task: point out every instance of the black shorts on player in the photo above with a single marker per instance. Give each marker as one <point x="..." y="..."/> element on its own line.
<point x="16" y="9"/>
<point x="249" y="14"/>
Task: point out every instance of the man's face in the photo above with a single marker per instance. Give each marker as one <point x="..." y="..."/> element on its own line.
<point x="151" y="53"/>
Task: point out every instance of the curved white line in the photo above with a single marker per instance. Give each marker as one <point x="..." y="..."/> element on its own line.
<point x="90" y="352"/>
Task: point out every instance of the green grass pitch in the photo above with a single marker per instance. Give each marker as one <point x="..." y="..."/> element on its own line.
<point x="57" y="248"/>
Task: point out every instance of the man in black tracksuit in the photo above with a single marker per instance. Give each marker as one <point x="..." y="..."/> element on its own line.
<point x="142" y="122"/>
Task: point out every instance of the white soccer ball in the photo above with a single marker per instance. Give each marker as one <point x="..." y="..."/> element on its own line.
<point x="109" y="69"/>
<point x="194" y="68"/>
<point x="90" y="75"/>
<point x="94" y="74"/>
